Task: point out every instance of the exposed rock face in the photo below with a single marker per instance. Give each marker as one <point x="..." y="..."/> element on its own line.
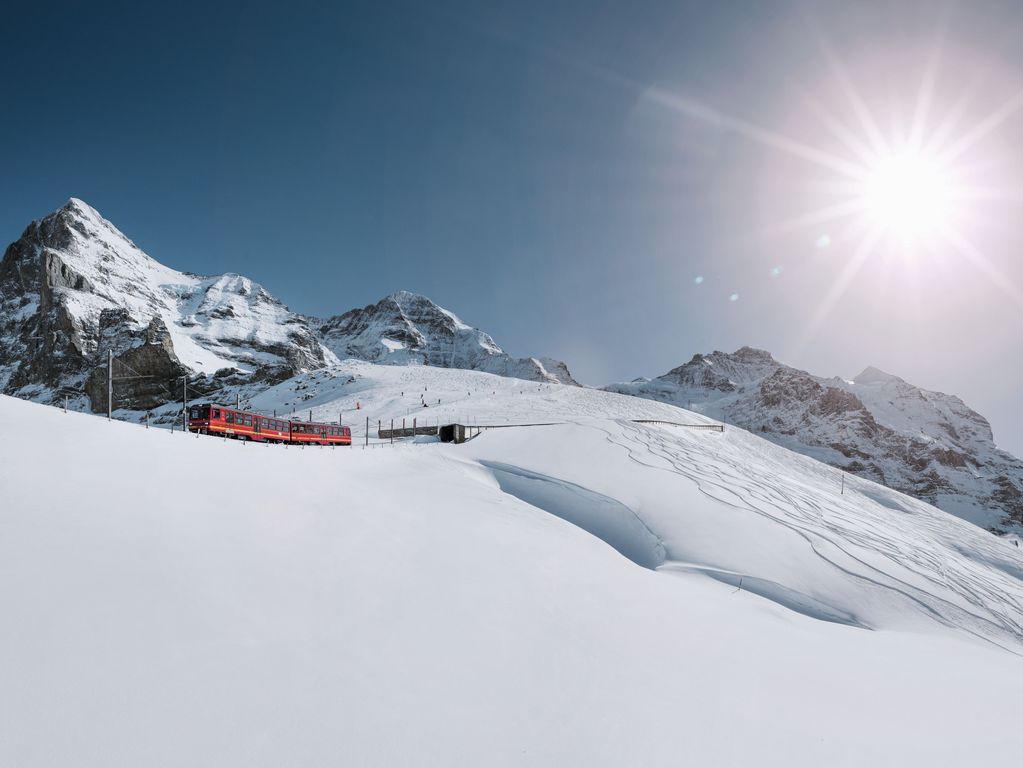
<point x="73" y="287"/>
<point x="406" y="328"/>
<point x="154" y="356"/>
<point x="927" y="444"/>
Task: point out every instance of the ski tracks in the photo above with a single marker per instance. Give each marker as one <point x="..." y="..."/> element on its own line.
<point x="866" y="539"/>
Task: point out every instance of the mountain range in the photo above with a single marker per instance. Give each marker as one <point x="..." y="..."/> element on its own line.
<point x="73" y="289"/>
<point x="75" y="292"/>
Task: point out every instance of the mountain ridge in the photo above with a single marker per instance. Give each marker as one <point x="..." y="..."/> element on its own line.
<point x="930" y="445"/>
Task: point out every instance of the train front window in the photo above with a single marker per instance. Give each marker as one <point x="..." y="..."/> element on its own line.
<point x="199" y="412"/>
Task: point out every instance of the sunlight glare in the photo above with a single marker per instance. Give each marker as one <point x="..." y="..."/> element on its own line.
<point x="908" y="194"/>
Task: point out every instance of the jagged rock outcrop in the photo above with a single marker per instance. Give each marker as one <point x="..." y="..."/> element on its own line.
<point x="407" y="328"/>
<point x="927" y="444"/>
<point x="73" y="287"/>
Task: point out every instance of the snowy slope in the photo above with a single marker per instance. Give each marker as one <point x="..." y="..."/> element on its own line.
<point x="228" y="604"/>
<point x="927" y="444"/>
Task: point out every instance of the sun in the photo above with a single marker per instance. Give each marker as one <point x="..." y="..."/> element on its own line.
<point x="904" y="180"/>
<point x="908" y="194"/>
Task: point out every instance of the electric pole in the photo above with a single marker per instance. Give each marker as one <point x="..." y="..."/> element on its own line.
<point x="110" y="384"/>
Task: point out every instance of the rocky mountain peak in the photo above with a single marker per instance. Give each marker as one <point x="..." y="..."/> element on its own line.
<point x="409" y="328"/>
<point x="927" y="444"/>
<point x="74" y="286"/>
<point x="752" y="355"/>
<point x="872" y="375"/>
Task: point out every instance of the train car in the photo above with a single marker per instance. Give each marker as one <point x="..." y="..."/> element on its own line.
<point x="211" y="419"/>
<point x="312" y="433"/>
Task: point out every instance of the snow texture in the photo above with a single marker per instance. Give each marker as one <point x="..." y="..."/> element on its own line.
<point x="179" y="600"/>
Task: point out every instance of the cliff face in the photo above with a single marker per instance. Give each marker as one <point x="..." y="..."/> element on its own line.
<point x="927" y="444"/>
<point x="73" y="287"/>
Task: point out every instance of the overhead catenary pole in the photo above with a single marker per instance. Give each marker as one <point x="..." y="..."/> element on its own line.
<point x="184" y="403"/>
<point x="110" y="384"/>
<point x="366" y="444"/>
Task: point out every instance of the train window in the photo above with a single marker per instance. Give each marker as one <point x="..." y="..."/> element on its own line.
<point x="266" y="423"/>
<point x="229" y="417"/>
<point x="248" y="421"/>
<point x="216" y="413"/>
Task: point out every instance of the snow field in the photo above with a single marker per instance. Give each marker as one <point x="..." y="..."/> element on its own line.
<point x="172" y="600"/>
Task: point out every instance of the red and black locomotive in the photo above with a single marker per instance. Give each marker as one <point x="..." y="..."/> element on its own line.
<point x="210" y="419"/>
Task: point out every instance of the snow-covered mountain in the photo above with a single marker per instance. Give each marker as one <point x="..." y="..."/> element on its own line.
<point x="406" y="328"/>
<point x="927" y="444"/>
<point x="73" y="287"/>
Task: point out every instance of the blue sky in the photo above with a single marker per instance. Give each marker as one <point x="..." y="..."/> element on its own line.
<point x="559" y="174"/>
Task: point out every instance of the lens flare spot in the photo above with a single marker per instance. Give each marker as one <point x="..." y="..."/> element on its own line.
<point x="698" y="279"/>
<point x="823" y="241"/>
<point x="776" y="271"/>
<point x="734" y="297"/>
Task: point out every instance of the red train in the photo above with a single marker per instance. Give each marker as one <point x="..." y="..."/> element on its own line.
<point x="210" y="419"/>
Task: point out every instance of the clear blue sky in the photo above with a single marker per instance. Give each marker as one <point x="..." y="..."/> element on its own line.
<point x="558" y="174"/>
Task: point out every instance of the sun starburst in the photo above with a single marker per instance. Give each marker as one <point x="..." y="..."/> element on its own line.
<point x="906" y="191"/>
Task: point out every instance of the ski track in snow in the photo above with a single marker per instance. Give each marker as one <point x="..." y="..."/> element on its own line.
<point x="836" y="529"/>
